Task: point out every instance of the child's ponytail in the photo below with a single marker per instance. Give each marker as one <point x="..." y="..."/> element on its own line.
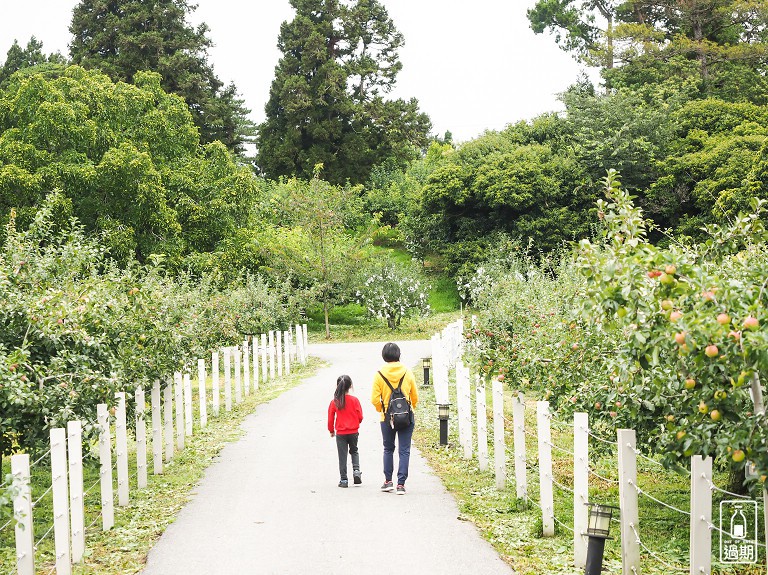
<point x="343" y="383"/>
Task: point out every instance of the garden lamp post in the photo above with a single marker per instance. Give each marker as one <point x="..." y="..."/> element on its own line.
<point x="443" y="413"/>
<point x="598" y="528"/>
<point x="426" y="363"/>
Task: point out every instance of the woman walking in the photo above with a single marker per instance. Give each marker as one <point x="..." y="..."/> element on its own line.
<point x="391" y="379"/>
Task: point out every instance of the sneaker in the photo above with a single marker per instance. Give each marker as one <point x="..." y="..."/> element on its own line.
<point x="401" y="489"/>
<point x="388" y="486"/>
<point x="358" y="479"/>
<point x="343" y="483"/>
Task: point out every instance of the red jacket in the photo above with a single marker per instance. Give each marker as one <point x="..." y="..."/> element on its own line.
<point x="347" y="419"/>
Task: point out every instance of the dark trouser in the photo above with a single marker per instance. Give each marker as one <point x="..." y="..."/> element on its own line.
<point x="346" y="443"/>
<point x="403" y="451"/>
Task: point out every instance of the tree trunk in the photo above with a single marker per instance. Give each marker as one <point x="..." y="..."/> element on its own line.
<point x="391" y="322"/>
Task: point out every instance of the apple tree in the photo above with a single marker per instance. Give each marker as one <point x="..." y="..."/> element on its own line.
<point x="689" y="329"/>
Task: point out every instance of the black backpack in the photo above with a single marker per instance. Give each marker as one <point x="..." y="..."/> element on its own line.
<point x="398" y="414"/>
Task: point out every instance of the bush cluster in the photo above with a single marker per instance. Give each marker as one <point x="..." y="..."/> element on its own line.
<point x="75" y="328"/>
<point x="664" y="340"/>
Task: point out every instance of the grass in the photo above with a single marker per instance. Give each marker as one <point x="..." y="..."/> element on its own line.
<point x="348" y="326"/>
<point x="514" y="526"/>
<point x="123" y="549"/>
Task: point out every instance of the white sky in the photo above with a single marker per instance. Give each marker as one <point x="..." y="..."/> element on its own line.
<point x="472" y="65"/>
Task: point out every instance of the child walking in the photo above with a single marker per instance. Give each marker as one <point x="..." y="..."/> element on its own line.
<point x="344" y="416"/>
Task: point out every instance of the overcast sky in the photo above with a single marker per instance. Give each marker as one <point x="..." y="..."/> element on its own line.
<point x="472" y="65"/>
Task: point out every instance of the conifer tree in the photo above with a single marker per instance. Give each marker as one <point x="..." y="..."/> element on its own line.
<point x="122" y="37"/>
<point x="327" y="104"/>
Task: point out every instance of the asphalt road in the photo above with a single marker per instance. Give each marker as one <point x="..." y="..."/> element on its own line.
<point x="270" y="503"/>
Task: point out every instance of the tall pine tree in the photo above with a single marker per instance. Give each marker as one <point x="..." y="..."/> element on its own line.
<point x="327" y="104"/>
<point x="121" y="37"/>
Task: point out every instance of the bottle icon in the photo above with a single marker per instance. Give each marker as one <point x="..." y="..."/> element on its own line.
<point x="738" y="523"/>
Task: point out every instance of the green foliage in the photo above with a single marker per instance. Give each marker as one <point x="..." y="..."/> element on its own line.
<point x="310" y="239"/>
<point x="75" y="328"/>
<point x="392" y="292"/>
<point x="707" y="176"/>
<point x="505" y="182"/>
<point x="123" y="38"/>
<point x="127" y="156"/>
<point x="326" y="102"/>
<point x="19" y="58"/>
<point x="664" y="340"/>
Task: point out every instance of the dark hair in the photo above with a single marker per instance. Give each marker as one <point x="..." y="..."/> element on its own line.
<point x="391" y="352"/>
<point x="343" y="383"/>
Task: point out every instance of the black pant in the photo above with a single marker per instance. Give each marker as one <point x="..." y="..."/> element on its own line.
<point x="346" y="443"/>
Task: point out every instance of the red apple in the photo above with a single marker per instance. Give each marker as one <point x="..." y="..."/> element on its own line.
<point x="751" y="323"/>
<point x="680" y="337"/>
<point x="675" y="315"/>
<point x="723" y="319"/>
<point x="711" y="351"/>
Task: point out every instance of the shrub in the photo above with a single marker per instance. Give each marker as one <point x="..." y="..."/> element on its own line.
<point x="393" y="292"/>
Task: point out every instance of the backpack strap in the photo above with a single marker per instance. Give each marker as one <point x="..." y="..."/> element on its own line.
<point x="399" y="385"/>
<point x="387" y="381"/>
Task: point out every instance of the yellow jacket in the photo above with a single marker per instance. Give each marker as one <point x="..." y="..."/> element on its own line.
<point x="393" y="371"/>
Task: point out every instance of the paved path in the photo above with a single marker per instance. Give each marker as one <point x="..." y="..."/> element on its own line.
<point x="270" y="504"/>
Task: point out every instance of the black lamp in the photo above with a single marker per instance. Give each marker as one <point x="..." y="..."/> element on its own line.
<point x="426" y="363"/>
<point x="443" y="413"/>
<point x="598" y="528"/>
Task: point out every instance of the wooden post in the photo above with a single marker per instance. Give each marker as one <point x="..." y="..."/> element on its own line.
<point x="157" y="429"/>
<point x="60" y="500"/>
<point x="76" y="507"/>
<point x="264" y="358"/>
<point x="178" y="385"/>
<point x="141" y="440"/>
<point x="629" y="514"/>
<point x="499" y="445"/>
<point x="546" y="496"/>
<point x="701" y="515"/>
<point x="756" y="391"/>
<point x="255" y="345"/>
<point x="464" y="404"/>
<point x="202" y="393"/>
<point x="518" y="424"/>
<point x="105" y="459"/>
<point x="580" y="487"/>
<point x="187" y="404"/>
<point x="246" y="368"/>
<point x="482" y="426"/>
<point x="279" y="352"/>
<point x="121" y="447"/>
<point x="22" y="510"/>
<point x="271" y="355"/>
<point x="227" y="378"/>
<point x="215" y="391"/>
<point x="238" y="379"/>
<point x="300" y="345"/>
<point x="287" y="346"/>
<point x="168" y="421"/>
